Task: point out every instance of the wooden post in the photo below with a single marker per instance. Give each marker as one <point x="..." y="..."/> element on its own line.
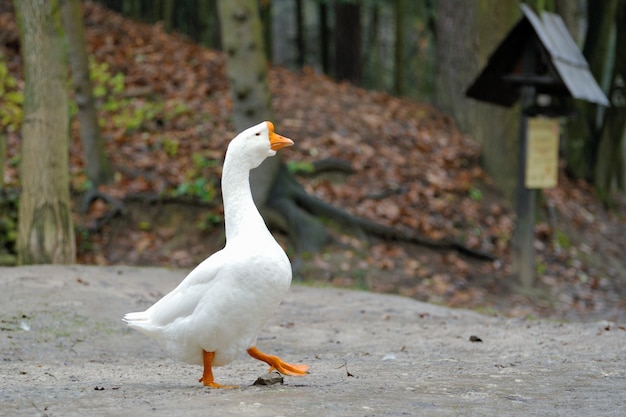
<point x="524" y="238"/>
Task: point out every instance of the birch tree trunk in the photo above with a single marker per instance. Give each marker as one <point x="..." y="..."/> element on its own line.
<point x="247" y="73"/>
<point x="96" y="161"/>
<point x="46" y="231"/>
<point x="273" y="186"/>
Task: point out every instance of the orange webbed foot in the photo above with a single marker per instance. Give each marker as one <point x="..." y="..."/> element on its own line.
<point x="213" y="384"/>
<point x="278" y="364"/>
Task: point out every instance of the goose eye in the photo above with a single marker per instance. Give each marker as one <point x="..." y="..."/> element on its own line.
<point x="258" y="133"/>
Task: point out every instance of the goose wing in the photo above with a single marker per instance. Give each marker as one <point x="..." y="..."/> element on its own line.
<point x="182" y="300"/>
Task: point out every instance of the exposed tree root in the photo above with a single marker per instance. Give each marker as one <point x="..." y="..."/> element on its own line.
<point x="302" y="213"/>
<point x="117" y="207"/>
<point x="299" y="214"/>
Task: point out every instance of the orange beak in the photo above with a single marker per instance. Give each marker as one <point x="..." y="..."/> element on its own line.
<point x="277" y="141"/>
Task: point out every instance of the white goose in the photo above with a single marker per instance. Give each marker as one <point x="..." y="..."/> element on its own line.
<point x="217" y="311"/>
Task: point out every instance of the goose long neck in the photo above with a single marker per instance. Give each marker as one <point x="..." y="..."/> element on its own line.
<point x="240" y="213"/>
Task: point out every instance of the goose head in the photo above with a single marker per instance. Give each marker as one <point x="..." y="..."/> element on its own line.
<point x="255" y="144"/>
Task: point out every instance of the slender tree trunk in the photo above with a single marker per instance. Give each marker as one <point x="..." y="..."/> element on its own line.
<point x="115" y="5"/>
<point x="208" y="15"/>
<point x="571" y="12"/>
<point x="46" y="232"/>
<point x="583" y="132"/>
<point x="610" y="160"/>
<point x="266" y="21"/>
<point x="324" y="36"/>
<point x="300" y="44"/>
<point x="168" y="14"/>
<point x="133" y="9"/>
<point x="399" y="61"/>
<point x="96" y="161"/>
<point x="206" y="23"/>
<point x="373" y="49"/>
<point x="348" y="42"/>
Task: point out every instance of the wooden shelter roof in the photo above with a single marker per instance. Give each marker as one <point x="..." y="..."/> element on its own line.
<point x="560" y="68"/>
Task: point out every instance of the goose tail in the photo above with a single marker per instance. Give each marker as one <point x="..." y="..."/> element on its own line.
<point x="136" y="317"/>
<point x="139" y="320"/>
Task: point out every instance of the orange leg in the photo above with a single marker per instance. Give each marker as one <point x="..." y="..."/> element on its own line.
<point x="276" y="363"/>
<point x="207" y="375"/>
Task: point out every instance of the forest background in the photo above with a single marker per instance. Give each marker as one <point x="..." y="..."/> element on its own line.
<point x="339" y="68"/>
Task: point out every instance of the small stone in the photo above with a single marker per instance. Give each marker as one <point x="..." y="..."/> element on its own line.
<point x="269" y="379"/>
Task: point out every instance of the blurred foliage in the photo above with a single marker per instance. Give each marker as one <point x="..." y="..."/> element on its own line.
<point x="475" y="194"/>
<point x="11" y="101"/>
<point x="209" y="221"/>
<point x="8" y="226"/>
<point x="561" y="240"/>
<point x="199" y="187"/>
<point x="300" y="167"/>
<point x="128" y="113"/>
<point x="198" y="183"/>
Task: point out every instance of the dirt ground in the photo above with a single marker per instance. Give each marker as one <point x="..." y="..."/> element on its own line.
<point x="66" y="352"/>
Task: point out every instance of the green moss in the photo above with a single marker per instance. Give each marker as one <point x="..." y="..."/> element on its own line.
<point x="561" y="240"/>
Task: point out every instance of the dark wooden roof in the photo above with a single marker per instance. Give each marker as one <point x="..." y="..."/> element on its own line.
<point x="560" y="68"/>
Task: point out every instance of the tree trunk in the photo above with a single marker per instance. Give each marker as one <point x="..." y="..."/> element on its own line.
<point x="610" y="160"/>
<point x="247" y="73"/>
<point x="115" y="5"/>
<point x="582" y="133"/>
<point x="374" y="73"/>
<point x="208" y="16"/>
<point x="467" y="33"/>
<point x="571" y="12"/>
<point x="246" y="65"/>
<point x="348" y="42"/>
<point x="168" y="14"/>
<point x="132" y="9"/>
<point x="265" y="7"/>
<point x="96" y="161"/>
<point x="399" y="61"/>
<point x="300" y="44"/>
<point x="46" y="232"/>
<point x="324" y="36"/>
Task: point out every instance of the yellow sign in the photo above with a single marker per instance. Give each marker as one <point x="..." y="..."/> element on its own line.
<point x="542" y="153"/>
